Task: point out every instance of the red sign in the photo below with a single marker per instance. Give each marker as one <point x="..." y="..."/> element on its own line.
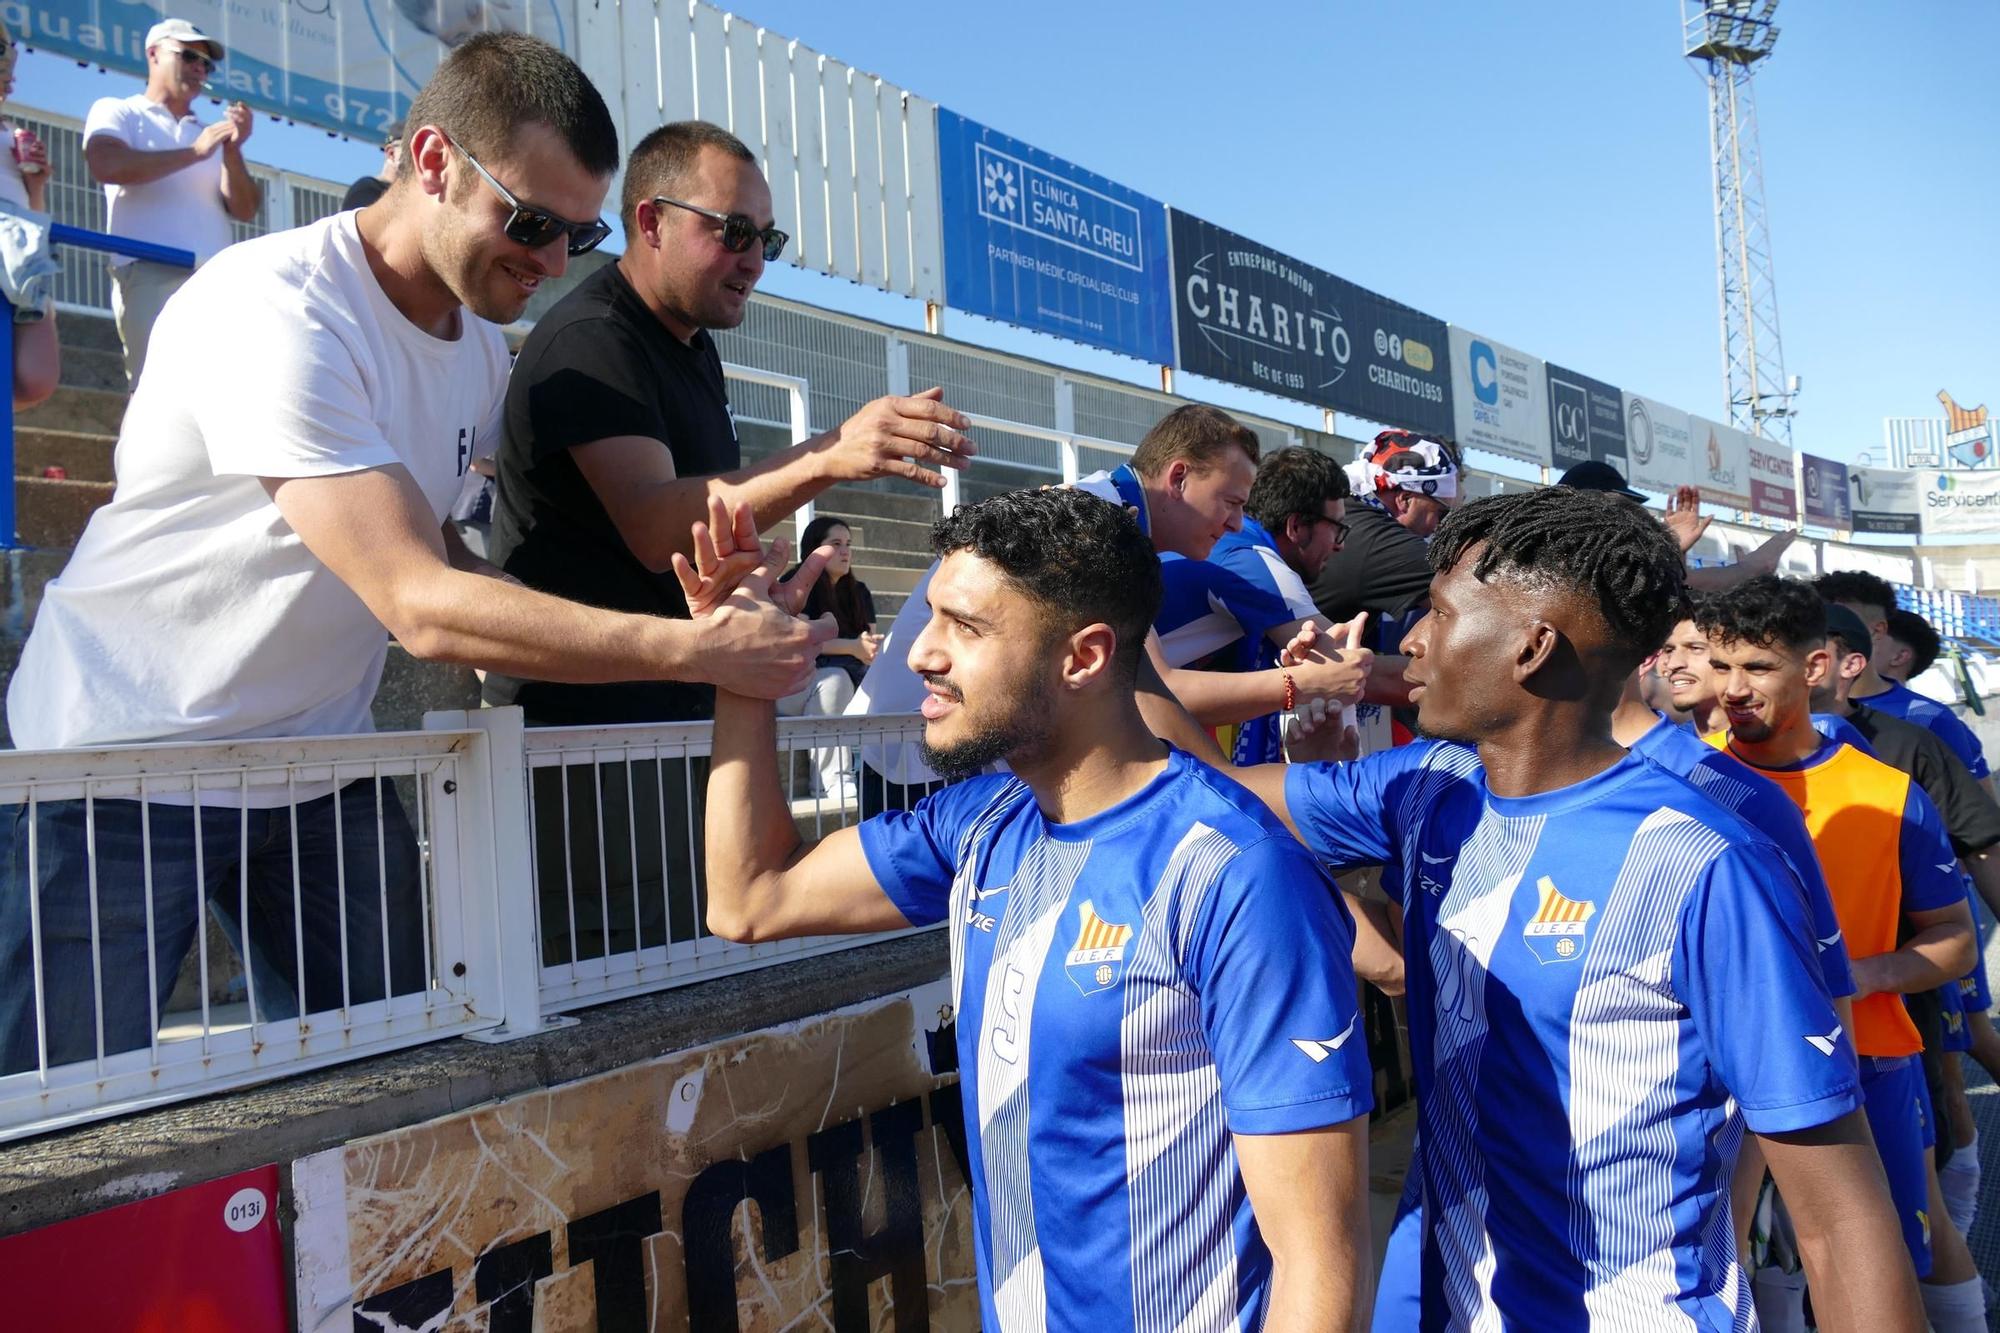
<point x="205" y="1259"/>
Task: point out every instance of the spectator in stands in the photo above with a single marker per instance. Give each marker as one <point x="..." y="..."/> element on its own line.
<point x="157" y="163"/>
<point x="370" y="188"/>
<point x="1405" y="484"/>
<point x="617" y="434"/>
<point x="843" y="659"/>
<point x="277" y="507"/>
<point x="24" y="186"/>
<point x="1909" y="646"/>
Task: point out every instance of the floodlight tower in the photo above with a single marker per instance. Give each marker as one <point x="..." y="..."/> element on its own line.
<point x="1727" y="40"/>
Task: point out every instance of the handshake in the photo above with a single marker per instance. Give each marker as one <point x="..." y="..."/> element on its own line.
<point x="754" y="641"/>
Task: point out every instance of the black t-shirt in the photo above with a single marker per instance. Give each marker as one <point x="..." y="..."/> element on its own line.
<point x="598" y="365"/>
<point x="1970" y="816"/>
<point x="1381" y="568"/>
<point x="363" y="192"/>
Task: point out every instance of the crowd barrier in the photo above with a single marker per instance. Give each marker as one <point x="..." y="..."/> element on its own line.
<point x="543" y="871"/>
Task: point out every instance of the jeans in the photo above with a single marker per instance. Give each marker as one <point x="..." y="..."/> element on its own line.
<point x="246" y="862"/>
<point x="611" y="877"/>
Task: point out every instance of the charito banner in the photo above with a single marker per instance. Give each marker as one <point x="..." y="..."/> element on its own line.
<point x="1659" y="445"/>
<point x="1249" y="315"/>
<point x="1038" y="242"/>
<point x="1586" y="420"/>
<point x="1499" y="398"/>
<point x="1774" y="486"/>
<point x="345" y="65"/>
<point x="1886" y="500"/>
<point x="1960" y="503"/>
<point x="1826" y="499"/>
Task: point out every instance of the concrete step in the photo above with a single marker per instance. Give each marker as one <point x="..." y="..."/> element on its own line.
<point x="908" y="506"/>
<point x="890" y="534"/>
<point x="90" y="411"/>
<point x="81" y="457"/>
<point x="90" y="333"/>
<point x="52" y="514"/>
<point x="93" y="368"/>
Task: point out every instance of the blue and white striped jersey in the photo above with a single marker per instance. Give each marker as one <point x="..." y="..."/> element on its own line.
<point x="1132" y="990"/>
<point x="1736" y="786"/>
<point x="1899" y="700"/>
<point x="1229" y="604"/>
<point x="1599" y="978"/>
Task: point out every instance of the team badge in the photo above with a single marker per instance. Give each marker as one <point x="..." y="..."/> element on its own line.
<point x="1098" y="956"/>
<point x="1559" y="931"/>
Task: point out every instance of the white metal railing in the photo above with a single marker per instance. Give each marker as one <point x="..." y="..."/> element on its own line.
<point x="612" y="840"/>
<point x="116" y="856"/>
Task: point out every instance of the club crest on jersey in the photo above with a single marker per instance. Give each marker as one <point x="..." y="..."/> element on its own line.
<point x="1559" y="931"/>
<point x="1097" y="958"/>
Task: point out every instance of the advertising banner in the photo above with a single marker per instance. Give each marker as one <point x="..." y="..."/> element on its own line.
<point x="1586" y="420"/>
<point x="206" y="1257"/>
<point x="618" y="1201"/>
<point x="345" y="65"/>
<point x="1722" y="463"/>
<point x="1959" y="504"/>
<point x="1885" y="500"/>
<point x="1659" y="445"/>
<point x="1825" y="495"/>
<point x="1246" y="314"/>
<point x="1038" y="242"/>
<point x="1774" y="486"/>
<point x="1499" y="398"/>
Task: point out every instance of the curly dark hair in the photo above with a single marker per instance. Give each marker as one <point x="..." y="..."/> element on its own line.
<point x="1856" y="589"/>
<point x="1766" y="611"/>
<point x="1915" y="633"/>
<point x="1295" y="481"/>
<point x="1593" y="543"/>
<point x="1082" y="560"/>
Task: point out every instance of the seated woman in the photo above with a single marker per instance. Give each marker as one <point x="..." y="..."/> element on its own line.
<point x="842" y="660"/>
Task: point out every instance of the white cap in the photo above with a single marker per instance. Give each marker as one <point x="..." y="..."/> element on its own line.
<point x="180" y="30"/>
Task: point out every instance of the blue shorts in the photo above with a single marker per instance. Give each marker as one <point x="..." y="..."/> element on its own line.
<point x="1899" y="1115"/>
<point x="1399" y="1292"/>
<point x="1951" y="1004"/>
<point x="1973" y="987"/>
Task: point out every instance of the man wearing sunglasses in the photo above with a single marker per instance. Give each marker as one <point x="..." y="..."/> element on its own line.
<point x="278" y="507"/>
<point x="157" y="164"/>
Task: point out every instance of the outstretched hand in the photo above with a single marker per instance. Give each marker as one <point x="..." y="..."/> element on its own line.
<point x="754" y="642"/>
<point x="1684" y="518"/>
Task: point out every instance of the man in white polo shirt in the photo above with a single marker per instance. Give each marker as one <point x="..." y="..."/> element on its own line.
<point x="157" y="164"/>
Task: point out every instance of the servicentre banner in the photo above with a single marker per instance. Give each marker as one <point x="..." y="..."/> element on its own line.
<point x="345" y="65"/>
<point x="1498" y="398"/>
<point x="1038" y="242"/>
<point x="1249" y="315"/>
<point x="1586" y="419"/>
<point x="1774" y="487"/>
<point x="1826" y="497"/>
<point x="1885" y="500"/>
<point x="1960" y="503"/>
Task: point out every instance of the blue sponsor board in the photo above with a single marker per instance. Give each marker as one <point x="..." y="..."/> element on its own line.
<point x="1826" y="495"/>
<point x="1038" y="242"/>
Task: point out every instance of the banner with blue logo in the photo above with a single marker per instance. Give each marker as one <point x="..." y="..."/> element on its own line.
<point x="1499" y="398"/>
<point x="1586" y="420"/>
<point x="1249" y="315"/>
<point x="1826" y="499"/>
<point x="1038" y="242"/>
<point x="1960" y="504"/>
<point x="346" y="65"/>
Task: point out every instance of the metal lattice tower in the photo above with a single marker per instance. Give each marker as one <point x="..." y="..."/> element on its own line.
<point x="1727" y="40"/>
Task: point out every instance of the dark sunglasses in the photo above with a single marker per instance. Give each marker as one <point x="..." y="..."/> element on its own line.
<point x="534" y="228"/>
<point x="191" y="56"/>
<point x="739" y="230"/>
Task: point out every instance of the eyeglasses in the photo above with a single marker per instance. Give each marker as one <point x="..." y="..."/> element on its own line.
<point x="190" y="56"/>
<point x="535" y="228"/>
<point x="1341" y="527"/>
<point x="739" y="230"/>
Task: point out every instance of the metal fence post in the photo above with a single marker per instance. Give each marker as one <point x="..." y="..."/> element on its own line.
<point x="501" y="870"/>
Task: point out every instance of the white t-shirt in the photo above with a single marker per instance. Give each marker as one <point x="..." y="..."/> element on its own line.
<point x="181" y="209"/>
<point x="190" y="609"/>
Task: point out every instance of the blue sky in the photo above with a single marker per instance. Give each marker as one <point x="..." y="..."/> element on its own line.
<point x="1538" y="173"/>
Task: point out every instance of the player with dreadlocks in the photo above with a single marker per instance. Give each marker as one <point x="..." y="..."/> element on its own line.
<point x="1610" y="976"/>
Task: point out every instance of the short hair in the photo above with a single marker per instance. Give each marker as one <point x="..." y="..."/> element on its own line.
<point x="1080" y="559"/>
<point x="1594" y="543"/>
<point x="1855" y="587"/>
<point x="665" y="156"/>
<point x="1915" y="633"/>
<point x="1295" y="481"/>
<point x="1195" y="432"/>
<point x="496" y="82"/>
<point x="1767" y="611"/>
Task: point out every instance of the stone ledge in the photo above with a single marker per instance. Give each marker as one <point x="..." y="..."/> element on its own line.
<point x="64" y="1175"/>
